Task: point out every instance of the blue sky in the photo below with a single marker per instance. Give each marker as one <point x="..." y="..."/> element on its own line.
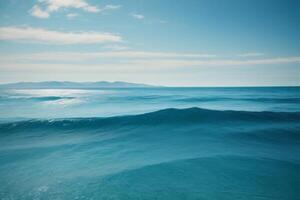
<point x="182" y="43"/>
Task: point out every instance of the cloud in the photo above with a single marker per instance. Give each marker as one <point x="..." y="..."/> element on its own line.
<point x="215" y="62"/>
<point x="29" y="34"/>
<point x="77" y="56"/>
<point x="146" y="59"/>
<point x="208" y="72"/>
<point x="111" y="7"/>
<point x="251" y="54"/>
<point x="137" y="16"/>
<point x="72" y="15"/>
<point x="44" y="7"/>
<point x="37" y="12"/>
<point x="55" y="5"/>
<point x="116" y="47"/>
<point x="134" y="66"/>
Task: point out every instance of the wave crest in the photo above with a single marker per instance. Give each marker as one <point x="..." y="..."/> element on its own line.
<point x="171" y="116"/>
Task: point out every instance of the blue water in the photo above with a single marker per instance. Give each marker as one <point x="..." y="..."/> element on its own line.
<point x="150" y="143"/>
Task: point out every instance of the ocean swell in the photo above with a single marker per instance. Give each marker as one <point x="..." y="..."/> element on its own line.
<point x="188" y="153"/>
<point x="196" y="116"/>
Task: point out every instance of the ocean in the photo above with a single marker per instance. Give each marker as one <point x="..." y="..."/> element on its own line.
<point x="150" y="143"/>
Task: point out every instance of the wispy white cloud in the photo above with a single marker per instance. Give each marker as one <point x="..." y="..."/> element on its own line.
<point x="44" y="8"/>
<point x="72" y="15"/>
<point x="29" y="34"/>
<point x="251" y="54"/>
<point x="135" y="66"/>
<point x="36" y="11"/>
<point x="190" y="71"/>
<point x="120" y="54"/>
<point x="137" y="16"/>
<point x="111" y="7"/>
<point x="146" y="59"/>
<point x="55" y="5"/>
<point x="116" y="47"/>
<point x="147" y="20"/>
<point x="214" y="62"/>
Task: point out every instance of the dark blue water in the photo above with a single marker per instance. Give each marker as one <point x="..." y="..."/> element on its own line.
<point x="155" y="143"/>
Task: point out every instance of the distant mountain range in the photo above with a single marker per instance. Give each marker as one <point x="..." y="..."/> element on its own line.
<point x="68" y="85"/>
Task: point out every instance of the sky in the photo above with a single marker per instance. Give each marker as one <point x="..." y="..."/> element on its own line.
<point x="172" y="43"/>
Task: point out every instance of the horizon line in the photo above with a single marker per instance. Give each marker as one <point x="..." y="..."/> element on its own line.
<point x="149" y="84"/>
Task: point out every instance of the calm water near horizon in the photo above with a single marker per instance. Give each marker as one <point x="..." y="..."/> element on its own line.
<point x="60" y="103"/>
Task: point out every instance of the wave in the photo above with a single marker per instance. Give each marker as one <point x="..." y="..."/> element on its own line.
<point x="260" y="100"/>
<point x="171" y="116"/>
<point x="188" y="153"/>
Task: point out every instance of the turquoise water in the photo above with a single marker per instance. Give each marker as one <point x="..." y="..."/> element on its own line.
<point x="150" y="143"/>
